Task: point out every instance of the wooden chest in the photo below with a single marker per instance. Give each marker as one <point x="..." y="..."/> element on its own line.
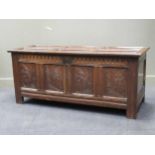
<point x="99" y="76"/>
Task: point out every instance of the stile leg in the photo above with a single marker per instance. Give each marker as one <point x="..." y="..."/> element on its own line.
<point x="19" y="99"/>
<point x="131" y="114"/>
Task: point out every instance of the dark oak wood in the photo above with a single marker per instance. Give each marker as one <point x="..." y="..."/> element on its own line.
<point x="99" y="76"/>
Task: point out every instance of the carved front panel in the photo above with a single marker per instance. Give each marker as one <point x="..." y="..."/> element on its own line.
<point x="115" y="82"/>
<point x="81" y="80"/>
<point x="28" y="75"/>
<point x="54" y="77"/>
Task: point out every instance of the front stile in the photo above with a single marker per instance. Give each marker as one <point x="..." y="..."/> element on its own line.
<point x="17" y="80"/>
<point x="132" y="88"/>
<point x="40" y="77"/>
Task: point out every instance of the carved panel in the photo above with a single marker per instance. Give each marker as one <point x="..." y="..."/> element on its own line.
<point x="54" y="77"/>
<point x="115" y="82"/>
<point x="28" y="75"/>
<point x="82" y="80"/>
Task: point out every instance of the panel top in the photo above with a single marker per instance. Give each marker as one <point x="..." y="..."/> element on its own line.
<point x="83" y="50"/>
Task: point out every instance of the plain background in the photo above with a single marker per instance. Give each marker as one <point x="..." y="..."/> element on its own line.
<point x="99" y="32"/>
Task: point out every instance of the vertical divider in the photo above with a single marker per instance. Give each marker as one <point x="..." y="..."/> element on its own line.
<point x="101" y="81"/>
<point x="40" y="76"/>
<point x="67" y="79"/>
<point x="96" y="81"/>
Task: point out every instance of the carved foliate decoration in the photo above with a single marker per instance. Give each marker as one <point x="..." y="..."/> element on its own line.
<point x="54" y="75"/>
<point x="28" y="75"/>
<point x="115" y="82"/>
<point x="82" y="80"/>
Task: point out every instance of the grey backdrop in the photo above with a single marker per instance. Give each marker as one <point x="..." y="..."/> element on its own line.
<point x="19" y="33"/>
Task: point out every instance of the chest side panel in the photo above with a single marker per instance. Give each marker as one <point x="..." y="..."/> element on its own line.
<point x="141" y="79"/>
<point x="141" y="73"/>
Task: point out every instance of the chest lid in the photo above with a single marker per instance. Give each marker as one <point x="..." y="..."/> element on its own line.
<point x="83" y="50"/>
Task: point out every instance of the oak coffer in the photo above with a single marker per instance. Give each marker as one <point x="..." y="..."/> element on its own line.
<point x="99" y="76"/>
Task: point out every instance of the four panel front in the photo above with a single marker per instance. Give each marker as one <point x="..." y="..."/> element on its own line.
<point x="99" y="78"/>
